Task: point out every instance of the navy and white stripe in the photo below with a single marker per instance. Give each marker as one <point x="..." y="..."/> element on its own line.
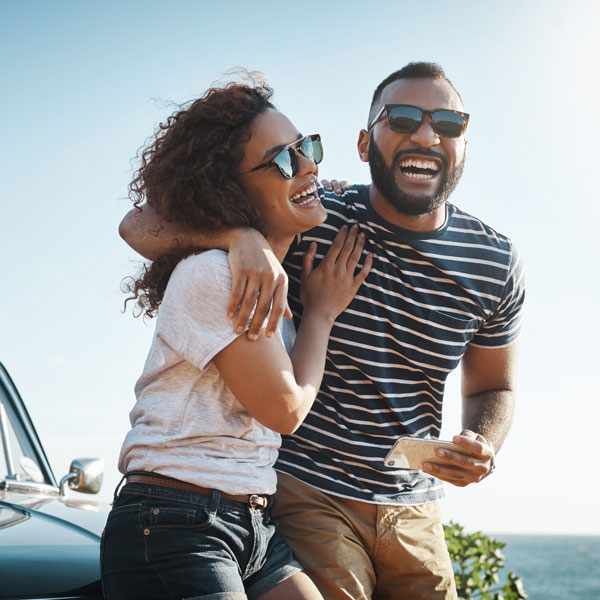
<point x="428" y="295"/>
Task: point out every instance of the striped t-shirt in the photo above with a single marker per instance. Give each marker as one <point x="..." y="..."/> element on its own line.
<point x="428" y="295"/>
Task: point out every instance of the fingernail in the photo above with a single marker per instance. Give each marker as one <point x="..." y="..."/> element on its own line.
<point x="441" y="453"/>
<point x="252" y="336"/>
<point x="230" y="315"/>
<point x="239" y="329"/>
<point x="269" y="334"/>
<point x="428" y="466"/>
<point x="355" y="226"/>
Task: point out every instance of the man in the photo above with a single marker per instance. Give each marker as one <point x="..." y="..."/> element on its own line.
<point x="444" y="288"/>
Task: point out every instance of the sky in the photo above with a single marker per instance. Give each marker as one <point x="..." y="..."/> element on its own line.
<point x="84" y="85"/>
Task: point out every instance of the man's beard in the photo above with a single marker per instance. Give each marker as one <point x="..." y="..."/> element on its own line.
<point x="412" y="206"/>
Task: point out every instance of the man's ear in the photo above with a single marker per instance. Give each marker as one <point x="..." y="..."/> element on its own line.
<point x="363" y="145"/>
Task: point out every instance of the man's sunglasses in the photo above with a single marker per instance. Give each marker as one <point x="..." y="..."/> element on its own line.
<point x="405" y="118"/>
<point x="287" y="160"/>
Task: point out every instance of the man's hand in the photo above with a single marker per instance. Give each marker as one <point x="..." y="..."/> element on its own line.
<point x="339" y="187"/>
<point x="258" y="279"/>
<point x="462" y="469"/>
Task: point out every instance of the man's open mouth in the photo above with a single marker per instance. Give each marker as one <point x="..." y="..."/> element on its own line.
<point x="305" y="196"/>
<point x="418" y="169"/>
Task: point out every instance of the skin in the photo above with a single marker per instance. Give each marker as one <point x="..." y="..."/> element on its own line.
<point x="488" y="375"/>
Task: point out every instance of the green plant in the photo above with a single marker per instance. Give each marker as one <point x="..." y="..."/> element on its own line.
<point x="477" y="561"/>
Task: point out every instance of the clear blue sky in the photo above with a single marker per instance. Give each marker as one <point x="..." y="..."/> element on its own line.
<point x="84" y="84"/>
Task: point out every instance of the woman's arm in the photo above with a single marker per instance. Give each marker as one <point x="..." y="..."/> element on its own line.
<point x="278" y="390"/>
<point x="255" y="270"/>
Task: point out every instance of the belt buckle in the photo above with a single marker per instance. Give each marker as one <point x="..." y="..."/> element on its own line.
<point x="255" y="501"/>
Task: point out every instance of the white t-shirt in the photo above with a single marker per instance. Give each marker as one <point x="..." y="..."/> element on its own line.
<point x="186" y="423"/>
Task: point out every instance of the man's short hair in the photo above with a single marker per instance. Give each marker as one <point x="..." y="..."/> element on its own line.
<point x="413" y="70"/>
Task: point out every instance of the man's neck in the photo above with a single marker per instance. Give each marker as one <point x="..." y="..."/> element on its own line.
<point x="428" y="222"/>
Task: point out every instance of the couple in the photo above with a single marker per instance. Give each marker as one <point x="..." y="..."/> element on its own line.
<point x="407" y="287"/>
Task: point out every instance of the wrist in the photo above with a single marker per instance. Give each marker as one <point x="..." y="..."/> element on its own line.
<point x="492" y="465"/>
<point x="242" y="236"/>
<point x="319" y="315"/>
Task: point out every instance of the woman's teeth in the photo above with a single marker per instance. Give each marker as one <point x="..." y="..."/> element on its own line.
<point x="305" y="196"/>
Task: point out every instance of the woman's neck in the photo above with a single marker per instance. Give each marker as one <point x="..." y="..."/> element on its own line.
<point x="280" y="246"/>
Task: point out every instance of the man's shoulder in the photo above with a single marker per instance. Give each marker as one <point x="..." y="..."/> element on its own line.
<point x="355" y="195"/>
<point x="463" y="224"/>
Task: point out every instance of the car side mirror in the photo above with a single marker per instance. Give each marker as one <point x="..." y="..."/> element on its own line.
<point x="85" y="476"/>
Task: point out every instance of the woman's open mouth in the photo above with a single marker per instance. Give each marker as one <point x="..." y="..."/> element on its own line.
<point x="306" y="196"/>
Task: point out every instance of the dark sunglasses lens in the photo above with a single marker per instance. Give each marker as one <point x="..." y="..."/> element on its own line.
<point x="447" y="123"/>
<point x="404" y="119"/>
<point x="312" y="149"/>
<point x="287" y="163"/>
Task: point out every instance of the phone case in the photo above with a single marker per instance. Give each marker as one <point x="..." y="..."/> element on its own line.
<point x="411" y="452"/>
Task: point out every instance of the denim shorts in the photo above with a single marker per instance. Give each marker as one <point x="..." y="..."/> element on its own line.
<point x="174" y="544"/>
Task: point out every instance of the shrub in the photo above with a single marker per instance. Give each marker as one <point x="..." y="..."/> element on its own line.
<point x="477" y="561"/>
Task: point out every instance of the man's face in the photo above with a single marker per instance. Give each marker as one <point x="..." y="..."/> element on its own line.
<point x="416" y="172"/>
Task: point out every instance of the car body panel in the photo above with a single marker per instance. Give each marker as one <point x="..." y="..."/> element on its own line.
<point x="49" y="542"/>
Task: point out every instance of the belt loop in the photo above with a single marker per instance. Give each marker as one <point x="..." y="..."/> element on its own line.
<point x="115" y="495"/>
<point x="214" y="502"/>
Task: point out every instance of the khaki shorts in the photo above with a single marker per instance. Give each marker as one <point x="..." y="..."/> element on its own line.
<point x="357" y="550"/>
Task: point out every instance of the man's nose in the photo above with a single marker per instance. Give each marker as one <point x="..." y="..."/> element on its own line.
<point x="425" y="136"/>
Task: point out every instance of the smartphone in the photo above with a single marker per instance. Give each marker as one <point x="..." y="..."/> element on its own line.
<point x="411" y="452"/>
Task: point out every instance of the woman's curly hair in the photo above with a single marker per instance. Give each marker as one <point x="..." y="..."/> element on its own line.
<point x="189" y="175"/>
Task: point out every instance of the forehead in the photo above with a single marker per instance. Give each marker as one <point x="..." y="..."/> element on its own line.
<point x="425" y="93"/>
<point x="270" y="130"/>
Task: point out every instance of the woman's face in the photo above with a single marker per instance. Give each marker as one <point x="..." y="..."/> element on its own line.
<point x="285" y="211"/>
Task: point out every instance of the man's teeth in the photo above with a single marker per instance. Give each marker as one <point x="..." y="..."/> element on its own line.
<point x="307" y="192"/>
<point x="414" y="168"/>
<point x="419" y="164"/>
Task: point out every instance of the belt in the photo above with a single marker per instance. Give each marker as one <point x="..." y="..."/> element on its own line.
<point x="254" y="500"/>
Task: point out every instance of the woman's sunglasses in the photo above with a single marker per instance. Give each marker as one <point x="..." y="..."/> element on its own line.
<point x="405" y="118"/>
<point x="287" y="160"/>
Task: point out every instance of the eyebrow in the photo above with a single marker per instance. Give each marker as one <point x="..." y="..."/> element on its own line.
<point x="278" y="148"/>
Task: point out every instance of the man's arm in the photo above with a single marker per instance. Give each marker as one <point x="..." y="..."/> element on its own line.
<point x="257" y="276"/>
<point x="488" y="384"/>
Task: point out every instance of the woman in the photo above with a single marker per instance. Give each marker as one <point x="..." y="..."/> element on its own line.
<point x="192" y="520"/>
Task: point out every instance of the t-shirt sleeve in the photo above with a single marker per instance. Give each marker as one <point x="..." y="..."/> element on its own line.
<point x="504" y="326"/>
<point x="193" y="317"/>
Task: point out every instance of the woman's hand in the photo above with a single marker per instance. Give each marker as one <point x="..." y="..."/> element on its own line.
<point x="328" y="289"/>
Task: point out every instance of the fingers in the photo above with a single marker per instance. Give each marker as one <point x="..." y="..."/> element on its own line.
<point x="339" y="187"/>
<point x="356" y="252"/>
<point x="348" y="246"/>
<point x="449" y="474"/>
<point x="307" y="261"/>
<point x="246" y="304"/>
<point x="474" y="443"/>
<point x="362" y="274"/>
<point x="460" y="468"/>
<point x="336" y="246"/>
<point x="277" y="309"/>
<point x="238" y="286"/>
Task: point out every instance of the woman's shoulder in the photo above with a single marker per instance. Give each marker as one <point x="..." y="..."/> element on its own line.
<point x="207" y="267"/>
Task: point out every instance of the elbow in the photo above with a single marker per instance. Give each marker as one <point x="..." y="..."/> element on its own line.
<point x="126" y="227"/>
<point x="290" y="426"/>
<point x="291" y="419"/>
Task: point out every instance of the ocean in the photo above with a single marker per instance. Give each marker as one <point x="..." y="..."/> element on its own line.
<point x="554" y="567"/>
